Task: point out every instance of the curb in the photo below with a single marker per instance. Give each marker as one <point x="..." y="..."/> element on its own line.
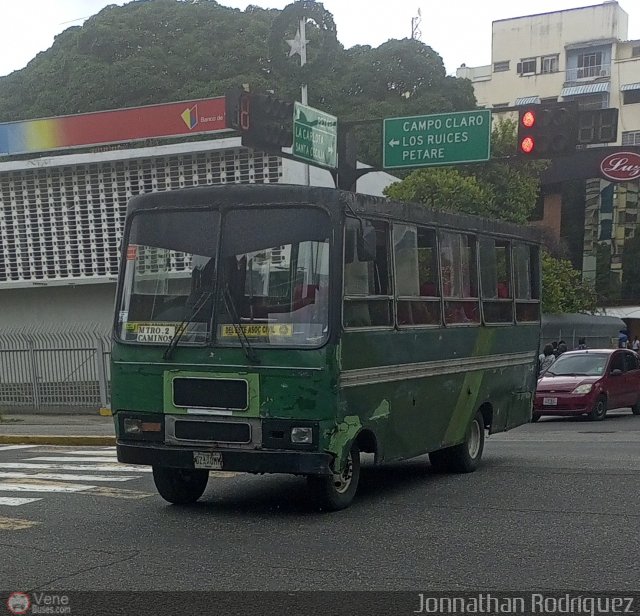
<point x="105" y="412"/>
<point x="45" y="439"/>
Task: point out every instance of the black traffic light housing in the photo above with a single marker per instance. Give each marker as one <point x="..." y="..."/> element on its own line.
<point x="548" y="130"/>
<point x="264" y="121"/>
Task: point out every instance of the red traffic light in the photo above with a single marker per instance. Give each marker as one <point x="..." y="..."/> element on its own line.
<point x="527" y="145"/>
<point x="528" y="119"/>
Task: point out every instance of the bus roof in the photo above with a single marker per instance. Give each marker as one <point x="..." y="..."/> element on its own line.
<point x="335" y="201"/>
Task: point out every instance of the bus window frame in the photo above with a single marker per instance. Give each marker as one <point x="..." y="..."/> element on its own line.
<point x="391" y="275"/>
<point x="535" y="281"/>
<point x="510" y="300"/>
<point x="418" y="299"/>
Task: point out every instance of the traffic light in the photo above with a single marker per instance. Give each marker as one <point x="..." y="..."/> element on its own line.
<point x="548" y="130"/>
<point x="263" y="121"/>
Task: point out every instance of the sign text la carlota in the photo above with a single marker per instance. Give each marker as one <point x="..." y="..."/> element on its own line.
<point x="437" y="139"/>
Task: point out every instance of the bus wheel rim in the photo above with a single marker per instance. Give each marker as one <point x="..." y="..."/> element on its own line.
<point x="473" y="443"/>
<point x="342" y="481"/>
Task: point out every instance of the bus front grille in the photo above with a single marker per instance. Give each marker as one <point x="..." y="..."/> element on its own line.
<point x="218" y="431"/>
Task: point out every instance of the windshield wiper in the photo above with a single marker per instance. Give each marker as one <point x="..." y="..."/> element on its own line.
<point x="197" y="307"/>
<point x="249" y="351"/>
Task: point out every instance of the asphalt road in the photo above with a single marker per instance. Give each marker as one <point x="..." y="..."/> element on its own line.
<point x="554" y="506"/>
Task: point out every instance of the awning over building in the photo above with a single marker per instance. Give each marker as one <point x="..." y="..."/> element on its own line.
<point x="624" y="312"/>
<point x="527" y="100"/>
<point x="630" y="86"/>
<point x="589" y="88"/>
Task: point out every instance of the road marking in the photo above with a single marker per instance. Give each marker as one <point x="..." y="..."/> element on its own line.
<point x="64" y="476"/>
<point x="15" y="524"/>
<point x="16" y="502"/>
<point x="83" y="452"/>
<point x="72" y="459"/>
<point x="28" y="486"/>
<point x="118" y="493"/>
<point x="223" y="474"/>
<point x="8" y="447"/>
<point x="116" y="467"/>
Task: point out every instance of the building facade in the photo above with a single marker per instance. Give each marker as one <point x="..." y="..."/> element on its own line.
<point x="581" y="55"/>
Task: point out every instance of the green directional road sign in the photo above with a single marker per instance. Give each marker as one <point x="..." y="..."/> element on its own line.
<point x="437" y="139"/>
<point x="315" y="136"/>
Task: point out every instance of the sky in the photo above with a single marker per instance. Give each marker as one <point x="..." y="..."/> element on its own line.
<point x="459" y="30"/>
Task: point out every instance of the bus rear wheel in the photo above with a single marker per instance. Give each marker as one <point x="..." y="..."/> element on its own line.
<point x="337" y="491"/>
<point x="465" y="457"/>
<point x="180" y="486"/>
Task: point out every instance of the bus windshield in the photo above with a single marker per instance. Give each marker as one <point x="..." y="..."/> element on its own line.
<point x="272" y="279"/>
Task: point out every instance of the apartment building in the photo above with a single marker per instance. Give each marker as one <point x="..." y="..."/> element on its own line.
<point x="581" y="55"/>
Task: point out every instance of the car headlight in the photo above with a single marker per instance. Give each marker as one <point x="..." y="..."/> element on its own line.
<point x="585" y="388"/>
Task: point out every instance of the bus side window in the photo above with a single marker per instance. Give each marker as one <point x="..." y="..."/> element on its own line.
<point x="495" y="274"/>
<point x="367" y="281"/>
<point x="527" y="287"/>
<point x="459" y="278"/>
<point x="416" y="275"/>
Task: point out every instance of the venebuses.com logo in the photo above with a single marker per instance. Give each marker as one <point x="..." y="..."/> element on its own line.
<point x="18" y="603"/>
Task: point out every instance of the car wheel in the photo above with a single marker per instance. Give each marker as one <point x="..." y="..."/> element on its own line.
<point x="535" y="417"/>
<point x="180" y="486"/>
<point x="338" y="490"/>
<point x="465" y="457"/>
<point x="599" y="410"/>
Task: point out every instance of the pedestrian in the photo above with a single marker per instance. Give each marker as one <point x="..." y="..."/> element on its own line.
<point x="623" y="339"/>
<point x="635" y="345"/>
<point x="562" y="348"/>
<point x="545" y="359"/>
<point x="554" y="346"/>
<point x="582" y="344"/>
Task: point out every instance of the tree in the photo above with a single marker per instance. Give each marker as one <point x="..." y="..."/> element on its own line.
<point x="563" y="289"/>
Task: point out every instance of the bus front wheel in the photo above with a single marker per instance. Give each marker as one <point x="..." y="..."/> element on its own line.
<point x="180" y="486"/>
<point x="338" y="490"/>
<point x="465" y="457"/>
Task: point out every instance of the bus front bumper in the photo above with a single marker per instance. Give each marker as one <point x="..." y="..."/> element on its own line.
<point x="244" y="461"/>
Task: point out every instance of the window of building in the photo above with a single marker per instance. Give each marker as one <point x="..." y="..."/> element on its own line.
<point x="631" y="137"/>
<point x="550" y="64"/>
<point x="495" y="274"/>
<point x="501" y="67"/>
<point x="459" y="278"/>
<point x="367" y="276"/>
<point x="417" y="281"/>
<point x="631" y="97"/>
<point x="527" y="66"/>
<point x="635" y="51"/>
<point x="549" y="99"/>
<point x="589" y="64"/>
<point x="599" y="100"/>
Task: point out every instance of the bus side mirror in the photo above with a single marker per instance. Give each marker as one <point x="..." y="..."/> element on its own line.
<point x="367" y="243"/>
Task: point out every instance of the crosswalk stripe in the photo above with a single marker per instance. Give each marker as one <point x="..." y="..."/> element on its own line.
<point x="16" y="524"/>
<point x="8" y="447"/>
<point x="71" y="459"/>
<point x="100" y="468"/>
<point x="16" y="502"/>
<point x="43" y="487"/>
<point x="64" y="476"/>
<point x="89" y="453"/>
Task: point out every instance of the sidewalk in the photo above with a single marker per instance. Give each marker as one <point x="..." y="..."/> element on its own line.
<point x="83" y="430"/>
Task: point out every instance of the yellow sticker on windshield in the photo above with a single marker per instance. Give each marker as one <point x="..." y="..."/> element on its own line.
<point x="256" y="330"/>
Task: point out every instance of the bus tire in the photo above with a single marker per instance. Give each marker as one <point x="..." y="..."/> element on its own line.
<point x="465" y="457"/>
<point x="599" y="410"/>
<point x="180" y="486"/>
<point x="338" y="490"/>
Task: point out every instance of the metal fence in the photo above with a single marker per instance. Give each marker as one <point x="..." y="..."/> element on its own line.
<point x="61" y="370"/>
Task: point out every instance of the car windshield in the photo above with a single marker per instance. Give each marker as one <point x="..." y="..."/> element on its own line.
<point x="588" y="364"/>
<point x="273" y="277"/>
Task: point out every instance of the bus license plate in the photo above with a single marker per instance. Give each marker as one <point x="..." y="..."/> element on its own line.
<point x="550" y="401"/>
<point x="207" y="459"/>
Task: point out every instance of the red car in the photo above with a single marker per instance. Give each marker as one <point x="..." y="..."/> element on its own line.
<point x="589" y="382"/>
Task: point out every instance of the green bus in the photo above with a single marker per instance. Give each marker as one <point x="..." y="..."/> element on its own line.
<point x="287" y="329"/>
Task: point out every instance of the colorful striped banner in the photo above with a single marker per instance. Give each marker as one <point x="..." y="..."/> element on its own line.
<point x="122" y="125"/>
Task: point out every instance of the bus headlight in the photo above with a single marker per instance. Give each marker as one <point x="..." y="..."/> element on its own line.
<point x="585" y="388"/>
<point x="132" y="426"/>
<point x="302" y="435"/>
